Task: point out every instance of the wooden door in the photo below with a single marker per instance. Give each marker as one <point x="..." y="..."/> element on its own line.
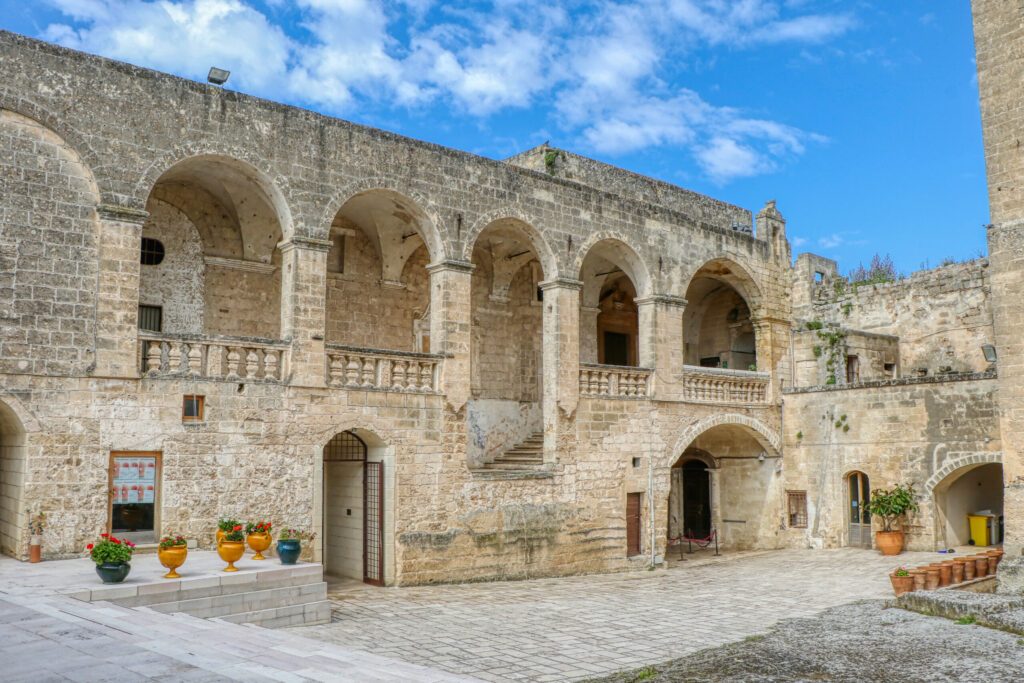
<point x="860" y="518"/>
<point x="633" y="501"/>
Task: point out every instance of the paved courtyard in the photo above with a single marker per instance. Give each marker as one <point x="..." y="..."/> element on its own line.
<point x="581" y="627"/>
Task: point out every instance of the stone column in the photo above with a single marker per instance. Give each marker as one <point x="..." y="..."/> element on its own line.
<point x="561" y="357"/>
<point x="451" y="328"/>
<point x="773" y="352"/>
<point x="999" y="44"/>
<point x="117" y="305"/>
<point x="588" y="333"/>
<point x="303" y="308"/>
<point x="660" y="345"/>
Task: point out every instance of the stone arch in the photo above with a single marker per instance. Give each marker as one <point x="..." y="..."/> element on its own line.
<point x="738" y="277"/>
<point x="954" y="464"/>
<point x="764" y="434"/>
<point x="431" y="232"/>
<point x="15" y="425"/>
<point x="76" y="142"/>
<point x="528" y="226"/>
<point x="275" y="187"/>
<point x="698" y="454"/>
<point x="638" y="271"/>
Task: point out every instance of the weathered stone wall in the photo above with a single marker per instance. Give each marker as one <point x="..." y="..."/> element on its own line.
<point x="916" y="431"/>
<point x="176" y="284"/>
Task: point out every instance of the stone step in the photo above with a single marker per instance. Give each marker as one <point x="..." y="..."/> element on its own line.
<point x="309" y="614"/>
<point x="235" y="604"/>
<point x="510" y="457"/>
<point x="501" y="465"/>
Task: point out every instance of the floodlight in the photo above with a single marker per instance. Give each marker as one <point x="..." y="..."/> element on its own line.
<point x="990" y="352"/>
<point x="218" y="76"/>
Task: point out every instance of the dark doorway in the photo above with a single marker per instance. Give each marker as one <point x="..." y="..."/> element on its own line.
<point x="633" y="501"/>
<point x="696" y="499"/>
<point x="860" y="519"/>
<point x="616" y="348"/>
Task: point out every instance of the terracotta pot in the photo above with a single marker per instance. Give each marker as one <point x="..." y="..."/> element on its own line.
<point x="35" y="553"/>
<point x="919" y="576"/>
<point x="172" y="558"/>
<point x="259" y="543"/>
<point x="945" y="575"/>
<point x="994" y="558"/>
<point x="901" y="584"/>
<point x="889" y="542"/>
<point x="931" y="581"/>
<point x="968" y="569"/>
<point x="231" y="552"/>
<point x="958" y="571"/>
<point x="980" y="565"/>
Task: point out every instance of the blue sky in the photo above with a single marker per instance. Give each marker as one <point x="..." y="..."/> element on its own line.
<point x="859" y="117"/>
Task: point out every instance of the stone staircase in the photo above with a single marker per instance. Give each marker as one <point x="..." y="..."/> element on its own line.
<point x="524" y="459"/>
<point x="273" y="598"/>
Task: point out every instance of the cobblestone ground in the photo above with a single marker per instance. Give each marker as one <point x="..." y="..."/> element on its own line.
<point x="852" y="644"/>
<point x="581" y="627"/>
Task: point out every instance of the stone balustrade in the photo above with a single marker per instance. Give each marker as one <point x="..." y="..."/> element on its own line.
<point x="353" y="367"/>
<point x="213" y="357"/>
<point x="614" y="381"/>
<point x="720" y="385"/>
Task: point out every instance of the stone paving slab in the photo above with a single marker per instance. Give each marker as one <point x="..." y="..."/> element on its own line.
<point x="574" y="628"/>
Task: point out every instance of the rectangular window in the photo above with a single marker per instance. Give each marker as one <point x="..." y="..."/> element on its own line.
<point x="796" y="505"/>
<point x="192" y="408"/>
<point x="633" y="508"/>
<point x="151" y="318"/>
<point x="852" y="369"/>
<point x="890" y="369"/>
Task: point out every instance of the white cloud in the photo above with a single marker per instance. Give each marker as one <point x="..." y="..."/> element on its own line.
<point x="831" y="241"/>
<point x="799" y="241"/>
<point x="602" y="69"/>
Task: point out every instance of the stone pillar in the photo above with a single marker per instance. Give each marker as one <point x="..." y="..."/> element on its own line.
<point x="999" y="44"/>
<point x="303" y="308"/>
<point x="451" y="327"/>
<point x="773" y="352"/>
<point x="660" y="347"/>
<point x="561" y="357"/>
<point x="117" y="304"/>
<point x="588" y="333"/>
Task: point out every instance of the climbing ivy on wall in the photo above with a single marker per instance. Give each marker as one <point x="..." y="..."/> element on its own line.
<point x="834" y="341"/>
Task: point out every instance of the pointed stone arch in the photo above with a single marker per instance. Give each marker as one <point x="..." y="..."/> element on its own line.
<point x="764" y="434"/>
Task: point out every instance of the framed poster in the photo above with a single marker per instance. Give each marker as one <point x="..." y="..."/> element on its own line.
<point x="134" y="491"/>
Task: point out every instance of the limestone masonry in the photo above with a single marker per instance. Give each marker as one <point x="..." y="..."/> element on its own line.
<point x="453" y="368"/>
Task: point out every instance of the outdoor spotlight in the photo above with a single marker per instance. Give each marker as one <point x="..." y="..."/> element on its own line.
<point x="760" y="458"/>
<point x="218" y="76"/>
<point x="990" y="352"/>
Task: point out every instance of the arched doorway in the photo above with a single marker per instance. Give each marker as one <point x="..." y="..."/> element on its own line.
<point x="613" y="278"/>
<point x="12" y="467"/>
<point x="858" y="488"/>
<point x="718" y="328"/>
<point x="357" y="524"/>
<point x="973" y="490"/>
<point x="690" y="498"/>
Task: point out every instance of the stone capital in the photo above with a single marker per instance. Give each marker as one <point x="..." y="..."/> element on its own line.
<point x="662" y="299"/>
<point x="123" y="214"/>
<point x="452" y="265"/>
<point x="305" y="243"/>
<point x="561" y="283"/>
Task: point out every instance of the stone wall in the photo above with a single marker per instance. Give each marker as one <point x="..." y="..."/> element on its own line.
<point x="916" y="431"/>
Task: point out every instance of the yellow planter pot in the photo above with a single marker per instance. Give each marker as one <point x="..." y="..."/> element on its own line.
<point x="259" y="543"/>
<point x="172" y="558"/>
<point x="220" y="536"/>
<point x="231" y="552"/>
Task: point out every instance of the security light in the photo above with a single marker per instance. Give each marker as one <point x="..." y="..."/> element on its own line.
<point x="990" y="352"/>
<point x="760" y="458"/>
<point x="218" y="76"/>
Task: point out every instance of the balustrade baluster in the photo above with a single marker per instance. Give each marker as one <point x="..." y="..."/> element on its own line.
<point x="252" y="362"/>
<point x="369" y="374"/>
<point x="195" y="359"/>
<point x="426" y="376"/>
<point x="398" y="371"/>
<point x="352" y="368"/>
<point x="270" y="366"/>
<point x="154" y="358"/>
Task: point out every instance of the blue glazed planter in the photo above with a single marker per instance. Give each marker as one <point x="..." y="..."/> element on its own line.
<point x="289" y="551"/>
<point x="113" y="573"/>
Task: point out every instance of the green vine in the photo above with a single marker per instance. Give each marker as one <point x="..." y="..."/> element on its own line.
<point x="550" y="157"/>
<point x="834" y="340"/>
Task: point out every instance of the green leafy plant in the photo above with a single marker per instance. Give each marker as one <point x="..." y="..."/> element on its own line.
<point x="172" y="541"/>
<point x="892" y="505"/>
<point x="814" y="324"/>
<point x="817" y="351"/>
<point x="110" y="550"/>
<point x="37" y="524"/>
<point x="296" y="535"/>
<point x="902" y="571"/>
<point x="235" y="534"/>
<point x="752" y="367"/>
<point x="799" y="435"/>
<point x="847" y="308"/>
<point x="967" y="620"/>
<point x="258" y="528"/>
<point x="227" y="524"/>
<point x="645" y="674"/>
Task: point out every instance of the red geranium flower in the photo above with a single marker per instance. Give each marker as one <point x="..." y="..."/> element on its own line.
<point x="116" y="541"/>
<point x="104" y="535"/>
<point x="89" y="547"/>
<point x="238" y="527"/>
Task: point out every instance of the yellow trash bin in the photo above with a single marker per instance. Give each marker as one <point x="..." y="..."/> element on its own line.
<point x="979" y="529"/>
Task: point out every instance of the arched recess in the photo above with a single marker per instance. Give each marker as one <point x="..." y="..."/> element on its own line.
<point x="381" y="244"/>
<point x="614" y="277"/>
<point x="215" y="223"/>
<point x="507" y="338"/>
<point x="49" y="237"/>
<point x="965" y="486"/>
<point x="740" y="457"/>
<point x="357" y="510"/>
<point x="527" y="226"/>
<point x="722" y="302"/>
<point x="13" y="468"/>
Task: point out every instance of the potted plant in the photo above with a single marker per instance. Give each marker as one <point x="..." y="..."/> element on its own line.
<point x="36" y="525"/>
<point x="232" y="547"/>
<point x="224" y="525"/>
<point x="289" y="544"/>
<point x="173" y="551"/>
<point x="112" y="557"/>
<point x="891" y="506"/>
<point x="902" y="581"/>
<point x="258" y="537"/>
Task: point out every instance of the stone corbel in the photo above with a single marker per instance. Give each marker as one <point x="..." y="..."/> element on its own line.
<point x="123" y="214"/>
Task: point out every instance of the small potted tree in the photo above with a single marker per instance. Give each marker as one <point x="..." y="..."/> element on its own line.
<point x="257" y="535"/>
<point x="232" y="547"/>
<point x="289" y="544"/>
<point x="173" y="551"/>
<point x="902" y="581"/>
<point x="36" y="526"/>
<point x="112" y="557"/>
<point x="891" y="506"/>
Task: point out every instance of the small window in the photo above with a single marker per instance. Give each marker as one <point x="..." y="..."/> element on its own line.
<point x="819" y="277"/>
<point x="336" y="256"/>
<point x="636" y="462"/>
<point x="151" y="318"/>
<point x="192" y="408"/>
<point x="796" y="505"/>
<point x="852" y="369"/>
<point x="540" y="293"/>
<point x="890" y="369"/>
<point x="152" y="252"/>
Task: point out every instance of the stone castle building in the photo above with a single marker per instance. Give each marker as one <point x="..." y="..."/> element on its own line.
<point x="451" y="368"/>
